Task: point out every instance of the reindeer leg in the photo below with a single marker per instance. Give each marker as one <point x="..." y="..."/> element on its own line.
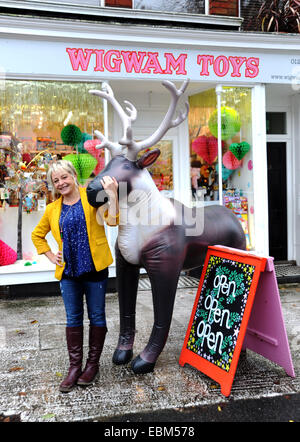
<point x="127" y="285"/>
<point x="163" y="262"/>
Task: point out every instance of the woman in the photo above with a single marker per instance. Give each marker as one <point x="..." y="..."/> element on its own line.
<point x="81" y="264"/>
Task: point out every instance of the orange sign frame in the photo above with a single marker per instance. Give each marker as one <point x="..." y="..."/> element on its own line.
<point x="224" y="378"/>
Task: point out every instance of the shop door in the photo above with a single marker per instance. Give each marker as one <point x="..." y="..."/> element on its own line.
<point x="277" y="199"/>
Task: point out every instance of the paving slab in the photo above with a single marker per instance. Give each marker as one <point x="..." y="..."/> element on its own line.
<point x="34" y="360"/>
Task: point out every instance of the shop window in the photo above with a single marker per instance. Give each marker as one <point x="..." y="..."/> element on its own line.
<point x="276" y="123"/>
<point x="162" y="170"/>
<point x="187" y="6"/>
<point x="74" y="2"/>
<point x="236" y="148"/>
<point x="40" y="122"/>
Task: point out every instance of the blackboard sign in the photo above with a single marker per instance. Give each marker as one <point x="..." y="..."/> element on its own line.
<point x="221" y="312"/>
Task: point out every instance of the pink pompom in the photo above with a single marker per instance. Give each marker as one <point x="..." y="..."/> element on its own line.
<point x="90" y="146"/>
<point x="230" y="161"/>
<point x="7" y="254"/>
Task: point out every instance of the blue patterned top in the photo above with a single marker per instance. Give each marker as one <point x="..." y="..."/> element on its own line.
<point x="76" y="248"/>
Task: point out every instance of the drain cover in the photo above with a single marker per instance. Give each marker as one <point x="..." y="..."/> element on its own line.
<point x="183" y="283"/>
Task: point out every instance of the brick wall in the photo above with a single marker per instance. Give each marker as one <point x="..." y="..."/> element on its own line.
<point x="224" y="7"/>
<point x="119" y="3"/>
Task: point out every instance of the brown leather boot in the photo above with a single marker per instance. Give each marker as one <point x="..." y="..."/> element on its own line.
<point x="74" y="337"/>
<point x="96" y="342"/>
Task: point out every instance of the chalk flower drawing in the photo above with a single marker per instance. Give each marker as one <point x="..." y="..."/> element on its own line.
<point x="220" y="310"/>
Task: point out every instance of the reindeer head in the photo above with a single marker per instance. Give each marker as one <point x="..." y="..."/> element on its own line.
<point x="124" y="165"/>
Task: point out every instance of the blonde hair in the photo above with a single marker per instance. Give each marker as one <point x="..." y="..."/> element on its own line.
<point x="57" y="166"/>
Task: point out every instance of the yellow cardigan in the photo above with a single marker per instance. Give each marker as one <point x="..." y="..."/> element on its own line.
<point x="100" y="250"/>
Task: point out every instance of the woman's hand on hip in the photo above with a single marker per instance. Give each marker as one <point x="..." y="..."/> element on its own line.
<point x="55" y="258"/>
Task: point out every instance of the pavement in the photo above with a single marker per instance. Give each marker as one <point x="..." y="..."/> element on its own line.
<point x="34" y="360"/>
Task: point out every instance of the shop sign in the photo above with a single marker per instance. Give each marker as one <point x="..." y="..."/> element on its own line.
<point x="196" y="65"/>
<point x="147" y="62"/>
<point x="237" y="292"/>
<point x="57" y="58"/>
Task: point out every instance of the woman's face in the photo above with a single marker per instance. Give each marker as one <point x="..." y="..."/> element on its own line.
<point x="63" y="182"/>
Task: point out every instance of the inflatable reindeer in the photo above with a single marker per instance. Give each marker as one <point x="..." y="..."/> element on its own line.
<point x="156" y="233"/>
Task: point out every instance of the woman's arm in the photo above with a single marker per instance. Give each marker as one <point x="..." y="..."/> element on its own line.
<point x="38" y="238"/>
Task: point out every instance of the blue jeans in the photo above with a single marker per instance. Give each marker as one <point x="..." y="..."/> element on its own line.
<point x="73" y="290"/>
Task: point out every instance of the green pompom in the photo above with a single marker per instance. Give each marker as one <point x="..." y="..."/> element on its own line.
<point x="84" y="164"/>
<point x="239" y="150"/>
<point x="230" y="122"/>
<point x="71" y="135"/>
<point x="84" y="138"/>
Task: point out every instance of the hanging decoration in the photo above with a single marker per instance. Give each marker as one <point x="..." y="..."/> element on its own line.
<point x="84" y="137"/>
<point x="84" y="164"/>
<point x="206" y="148"/>
<point x="71" y="135"/>
<point x="230" y="122"/>
<point x="225" y="172"/>
<point x="230" y="161"/>
<point x="239" y="150"/>
<point x="90" y="146"/>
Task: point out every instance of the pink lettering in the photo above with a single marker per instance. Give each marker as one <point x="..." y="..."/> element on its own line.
<point x="252" y="69"/>
<point x="142" y="62"/>
<point x="236" y="63"/>
<point x="221" y="60"/>
<point x="99" y="60"/>
<point x="152" y="63"/>
<point x="78" y="58"/>
<point x="205" y="59"/>
<point x="133" y="60"/>
<point x="112" y="61"/>
<point x="178" y="64"/>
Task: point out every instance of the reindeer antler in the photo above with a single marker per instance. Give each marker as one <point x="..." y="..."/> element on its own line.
<point x="133" y="148"/>
<point x="126" y="118"/>
<point x="168" y="122"/>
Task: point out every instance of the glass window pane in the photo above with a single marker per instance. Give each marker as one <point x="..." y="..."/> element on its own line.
<point x="237" y="163"/>
<point x="188" y="6"/>
<point x="237" y="157"/>
<point x="276" y="123"/>
<point x="203" y="147"/>
<point x="32" y="117"/>
<point x="162" y="170"/>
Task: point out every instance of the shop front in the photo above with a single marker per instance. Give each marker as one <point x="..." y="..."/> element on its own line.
<point x="222" y="154"/>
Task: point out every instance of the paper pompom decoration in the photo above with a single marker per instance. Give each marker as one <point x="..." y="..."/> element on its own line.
<point x="225" y="172"/>
<point x="84" y="164"/>
<point x="7" y="254"/>
<point x="239" y="150"/>
<point x="71" y="135"/>
<point x="84" y="137"/>
<point x="230" y="122"/>
<point x="230" y="161"/>
<point x="90" y="146"/>
<point x="206" y="148"/>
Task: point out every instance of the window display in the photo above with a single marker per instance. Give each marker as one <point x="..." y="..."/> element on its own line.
<point x="35" y="129"/>
<point x="236" y="139"/>
<point x="41" y="121"/>
<point x="162" y="170"/>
